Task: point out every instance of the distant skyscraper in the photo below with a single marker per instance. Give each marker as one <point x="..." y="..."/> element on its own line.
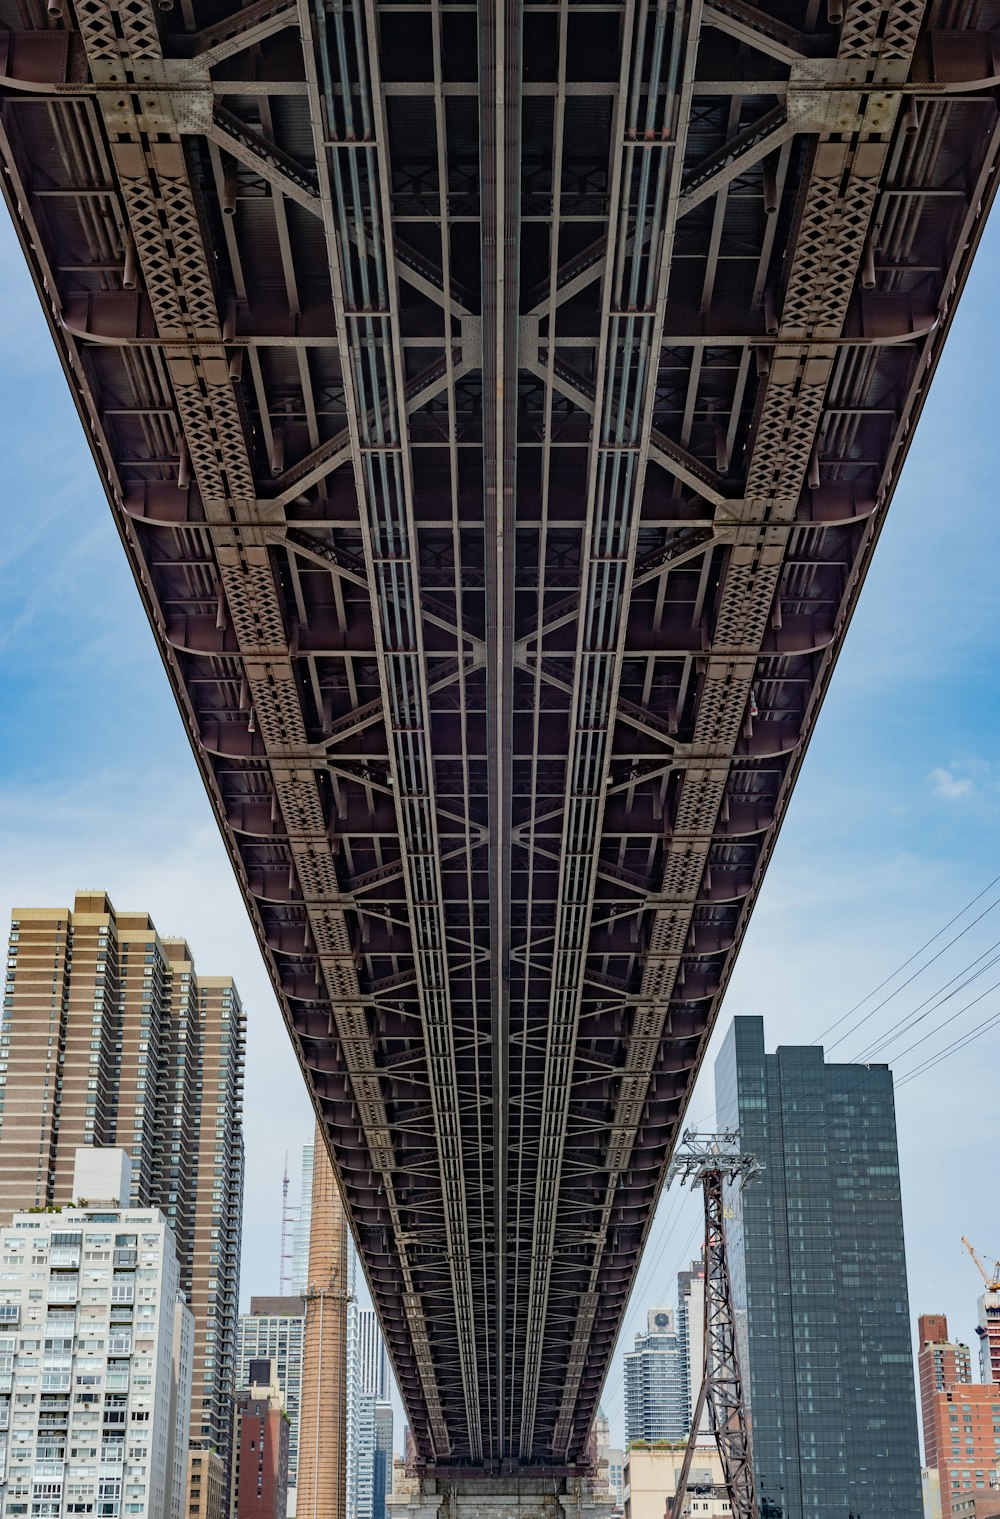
<point x="373" y="1406"/>
<point x="382" y="1471"/>
<point x="988" y="1330"/>
<point x="961" y="1423"/>
<point x="940" y="1365"/>
<point x="655" y="1407"/>
<point x="112" y="1038"/>
<point x="373" y="1361"/>
<point x="299" y="1276"/>
<point x="272" y="1330"/>
<point x="360" y="1406"/>
<point x="691" y="1342"/>
<point x="819" y="1282"/>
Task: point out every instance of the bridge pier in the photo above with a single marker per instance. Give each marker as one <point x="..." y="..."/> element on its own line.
<point x="507" y="1497"/>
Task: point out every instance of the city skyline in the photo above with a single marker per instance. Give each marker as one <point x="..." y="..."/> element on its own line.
<point x="912" y="708"/>
<point x="614" y="1390"/>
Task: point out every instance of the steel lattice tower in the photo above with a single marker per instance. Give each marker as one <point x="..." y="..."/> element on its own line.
<point x="712" y="1161"/>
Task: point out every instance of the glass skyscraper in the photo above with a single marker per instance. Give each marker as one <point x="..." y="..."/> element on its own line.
<point x="819" y="1282"/>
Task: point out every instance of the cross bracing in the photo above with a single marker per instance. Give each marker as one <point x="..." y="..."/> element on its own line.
<point x="499" y="405"/>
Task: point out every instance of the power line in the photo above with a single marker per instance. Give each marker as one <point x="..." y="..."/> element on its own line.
<point x="909" y="961"/>
<point x="918" y="972"/>
<point x="935" y="999"/>
<point x="880" y="1044"/>
<point x="975" y="1033"/>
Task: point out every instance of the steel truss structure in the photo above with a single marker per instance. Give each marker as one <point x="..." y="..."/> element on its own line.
<point x="499" y="404"/>
<point x="713" y="1162"/>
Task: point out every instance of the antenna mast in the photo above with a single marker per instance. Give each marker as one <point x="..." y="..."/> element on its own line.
<point x="288" y="1217"/>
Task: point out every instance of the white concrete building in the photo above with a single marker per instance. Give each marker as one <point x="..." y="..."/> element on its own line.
<point x="96" y="1349"/>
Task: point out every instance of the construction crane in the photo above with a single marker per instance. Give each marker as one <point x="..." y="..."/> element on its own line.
<point x="711" y="1160"/>
<point x="991" y="1278"/>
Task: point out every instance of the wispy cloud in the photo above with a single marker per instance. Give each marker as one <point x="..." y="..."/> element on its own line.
<point x="949" y="786"/>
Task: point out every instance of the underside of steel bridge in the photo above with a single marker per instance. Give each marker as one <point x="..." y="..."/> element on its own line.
<point x="499" y="404"/>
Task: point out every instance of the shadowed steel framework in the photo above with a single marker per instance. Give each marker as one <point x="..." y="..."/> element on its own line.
<point x="499" y="404"/>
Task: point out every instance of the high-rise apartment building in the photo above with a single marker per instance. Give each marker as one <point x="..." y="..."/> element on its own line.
<point x="96" y="1348"/>
<point x="961" y="1421"/>
<point x="965" y="1438"/>
<point x="819" y="1282"/>
<point x="655" y="1407"/>
<point x="941" y="1364"/>
<point x="299" y="1274"/>
<point x="988" y="1330"/>
<point x="272" y="1331"/>
<point x="360" y="1408"/>
<point x="374" y="1410"/>
<point x="382" y="1468"/>
<point x="110" y="1037"/>
<point x="260" y="1447"/>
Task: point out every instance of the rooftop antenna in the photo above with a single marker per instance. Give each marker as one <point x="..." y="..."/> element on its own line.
<point x="288" y="1217"/>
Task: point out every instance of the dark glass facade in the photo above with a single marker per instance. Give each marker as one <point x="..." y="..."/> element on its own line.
<point x="819" y="1281"/>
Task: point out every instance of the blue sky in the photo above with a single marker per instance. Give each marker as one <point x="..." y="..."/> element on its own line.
<point x="894" y="826"/>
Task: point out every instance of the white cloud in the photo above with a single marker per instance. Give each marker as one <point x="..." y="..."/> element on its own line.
<point x="949" y="786"/>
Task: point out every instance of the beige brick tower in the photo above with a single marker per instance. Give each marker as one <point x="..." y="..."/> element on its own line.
<point x="322" y="1487"/>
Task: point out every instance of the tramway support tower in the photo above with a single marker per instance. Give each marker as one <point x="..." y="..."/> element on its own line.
<point x="713" y="1162"/>
<point x="499" y="403"/>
